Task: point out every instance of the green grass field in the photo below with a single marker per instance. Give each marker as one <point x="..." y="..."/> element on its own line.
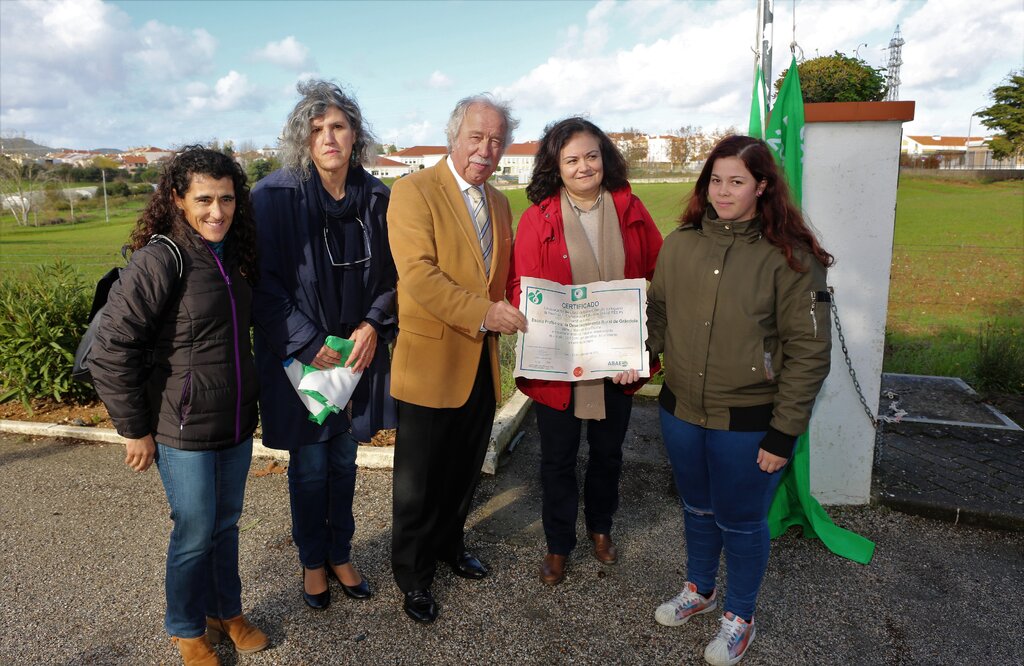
<point x="958" y="261"/>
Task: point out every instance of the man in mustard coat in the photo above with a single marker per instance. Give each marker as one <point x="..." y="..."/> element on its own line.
<point x="451" y="237"/>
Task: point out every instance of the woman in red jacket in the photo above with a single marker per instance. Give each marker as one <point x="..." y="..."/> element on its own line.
<point x="585" y="225"/>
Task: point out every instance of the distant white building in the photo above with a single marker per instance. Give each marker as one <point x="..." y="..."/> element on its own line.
<point x="659" y="148"/>
<point x="419" y="157"/>
<point x="957" y="152"/>
<point x="518" y="161"/>
<point x="384" y="167"/>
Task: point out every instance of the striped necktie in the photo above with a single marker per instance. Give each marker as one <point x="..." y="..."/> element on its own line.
<point x="483" y="225"/>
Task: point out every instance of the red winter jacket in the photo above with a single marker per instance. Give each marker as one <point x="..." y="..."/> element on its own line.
<point x="540" y="251"/>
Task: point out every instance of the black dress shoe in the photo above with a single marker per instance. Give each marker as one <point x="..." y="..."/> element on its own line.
<point x="315" y="601"/>
<point x="467" y="566"/>
<point x="420" y="606"/>
<point x="360" y="590"/>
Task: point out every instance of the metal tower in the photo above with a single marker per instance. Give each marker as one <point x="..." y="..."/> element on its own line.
<point x="893" y="68"/>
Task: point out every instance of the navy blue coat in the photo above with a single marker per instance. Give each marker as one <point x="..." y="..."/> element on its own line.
<point x="293" y="317"/>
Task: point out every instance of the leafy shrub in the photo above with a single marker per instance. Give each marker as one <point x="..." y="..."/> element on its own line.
<point x="142" y="188"/>
<point x="999" y="366"/>
<point x="838" y="78"/>
<point x="41" y="321"/>
<point x="118" y="188"/>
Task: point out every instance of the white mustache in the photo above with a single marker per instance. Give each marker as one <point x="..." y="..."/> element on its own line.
<point x="481" y="162"/>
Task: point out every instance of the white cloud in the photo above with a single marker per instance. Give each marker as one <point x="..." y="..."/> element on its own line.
<point x="168" y="53"/>
<point x="288" y="53"/>
<point x="412" y="134"/>
<point x="439" y="81"/>
<point x="232" y="91"/>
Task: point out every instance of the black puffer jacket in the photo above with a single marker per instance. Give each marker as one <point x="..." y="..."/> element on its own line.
<point x="202" y="390"/>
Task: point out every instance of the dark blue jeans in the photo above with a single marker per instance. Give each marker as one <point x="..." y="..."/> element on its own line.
<point x="559" y="444"/>
<point x="321" y="484"/>
<point x="205" y="491"/>
<point x="725" y="503"/>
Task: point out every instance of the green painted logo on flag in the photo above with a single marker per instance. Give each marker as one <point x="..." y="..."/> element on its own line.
<point x="785" y="134"/>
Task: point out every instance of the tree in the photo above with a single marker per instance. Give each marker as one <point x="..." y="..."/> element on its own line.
<point x="1007" y="116"/>
<point x="633" y="144"/>
<point x="261" y="168"/>
<point x="838" y="78"/>
<point x="16" y="188"/>
<point x="685" y="144"/>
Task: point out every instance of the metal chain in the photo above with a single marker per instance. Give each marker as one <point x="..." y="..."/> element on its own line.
<point x="849" y="363"/>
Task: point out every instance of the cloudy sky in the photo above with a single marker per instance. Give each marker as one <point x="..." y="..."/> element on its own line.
<point x="90" y="74"/>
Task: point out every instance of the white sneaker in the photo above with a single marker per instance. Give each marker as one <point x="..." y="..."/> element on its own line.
<point x="680" y="608"/>
<point x="734" y="637"/>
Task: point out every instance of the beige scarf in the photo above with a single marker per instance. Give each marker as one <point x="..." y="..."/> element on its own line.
<point x="608" y="264"/>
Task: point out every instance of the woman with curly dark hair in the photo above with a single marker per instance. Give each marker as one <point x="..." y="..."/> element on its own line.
<point x="585" y="225"/>
<point x="172" y="363"/>
<point x="739" y="307"/>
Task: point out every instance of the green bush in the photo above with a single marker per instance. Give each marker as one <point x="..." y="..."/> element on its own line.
<point x="838" y="78"/>
<point x="999" y="365"/>
<point x="41" y="321"/>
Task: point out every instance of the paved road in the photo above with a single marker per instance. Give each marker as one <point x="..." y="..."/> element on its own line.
<point x="83" y="542"/>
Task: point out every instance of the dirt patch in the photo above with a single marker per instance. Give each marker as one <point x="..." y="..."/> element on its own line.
<point x="90" y="414"/>
<point x="94" y="414"/>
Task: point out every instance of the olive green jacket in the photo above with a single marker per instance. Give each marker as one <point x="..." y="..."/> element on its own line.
<point x="747" y="340"/>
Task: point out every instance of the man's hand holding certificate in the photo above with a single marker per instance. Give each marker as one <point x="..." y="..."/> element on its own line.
<point x="582" y="331"/>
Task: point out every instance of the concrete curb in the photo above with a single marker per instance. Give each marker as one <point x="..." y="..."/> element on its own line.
<point x="947" y="512"/>
<point x="506" y="423"/>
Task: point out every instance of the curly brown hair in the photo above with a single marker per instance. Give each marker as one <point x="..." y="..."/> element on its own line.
<point x="547" y="179"/>
<point x="783" y="223"/>
<point x="162" y="216"/>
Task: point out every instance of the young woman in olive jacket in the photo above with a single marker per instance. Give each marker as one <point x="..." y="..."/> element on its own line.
<point x="172" y="363"/>
<point x="738" y="305"/>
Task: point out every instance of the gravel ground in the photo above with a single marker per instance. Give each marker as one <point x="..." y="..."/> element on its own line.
<point x="84" y="539"/>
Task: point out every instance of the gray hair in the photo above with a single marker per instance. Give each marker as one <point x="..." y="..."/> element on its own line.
<point x="459" y="114"/>
<point x="317" y="96"/>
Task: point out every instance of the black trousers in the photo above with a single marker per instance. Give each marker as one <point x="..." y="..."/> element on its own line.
<point x="559" y="445"/>
<point x="438" y="455"/>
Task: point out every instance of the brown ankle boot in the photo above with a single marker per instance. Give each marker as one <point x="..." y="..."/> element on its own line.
<point x="246" y="637"/>
<point x="196" y="651"/>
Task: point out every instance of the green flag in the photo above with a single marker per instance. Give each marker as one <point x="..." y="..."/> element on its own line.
<point x="758" y="107"/>
<point x="793" y="504"/>
<point x="785" y="134"/>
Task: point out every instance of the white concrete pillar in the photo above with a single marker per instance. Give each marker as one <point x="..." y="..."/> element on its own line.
<point x="851" y="170"/>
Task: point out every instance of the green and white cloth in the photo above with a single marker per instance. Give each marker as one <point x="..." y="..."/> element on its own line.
<point x="324" y="392"/>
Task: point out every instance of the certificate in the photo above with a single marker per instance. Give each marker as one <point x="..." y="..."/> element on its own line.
<point x="582" y="331"/>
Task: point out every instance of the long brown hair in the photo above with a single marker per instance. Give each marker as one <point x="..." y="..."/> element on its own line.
<point x="783" y="223"/>
<point x="161" y="216"/>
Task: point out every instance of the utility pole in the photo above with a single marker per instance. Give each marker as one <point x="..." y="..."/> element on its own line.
<point x="106" y="209"/>
<point x="892" y="92"/>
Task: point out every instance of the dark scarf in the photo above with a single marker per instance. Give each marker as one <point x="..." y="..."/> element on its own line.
<point x="342" y="288"/>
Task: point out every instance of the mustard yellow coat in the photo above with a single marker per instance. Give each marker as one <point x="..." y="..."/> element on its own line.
<point x="444" y="290"/>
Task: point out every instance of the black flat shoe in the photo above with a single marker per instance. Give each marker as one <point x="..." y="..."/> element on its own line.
<point x="468" y="566"/>
<point x="420" y="606"/>
<point x="360" y="590"/>
<point x="315" y="601"/>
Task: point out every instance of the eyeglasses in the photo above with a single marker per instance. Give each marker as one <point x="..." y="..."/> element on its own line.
<point x="345" y="264"/>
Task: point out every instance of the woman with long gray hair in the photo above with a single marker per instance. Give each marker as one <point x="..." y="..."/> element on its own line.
<point x="328" y="273"/>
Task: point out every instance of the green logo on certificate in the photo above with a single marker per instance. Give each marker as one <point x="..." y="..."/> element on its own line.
<point x="535" y="297"/>
<point x="579" y="293"/>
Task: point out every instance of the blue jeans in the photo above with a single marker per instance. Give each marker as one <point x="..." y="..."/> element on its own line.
<point x="725" y="503"/>
<point x="321" y="483"/>
<point x="205" y="490"/>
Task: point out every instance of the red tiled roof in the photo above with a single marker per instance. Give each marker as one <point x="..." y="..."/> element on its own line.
<point x="528" y="148"/>
<point x="133" y="159"/>
<point x="385" y="162"/>
<point x="421" y="151"/>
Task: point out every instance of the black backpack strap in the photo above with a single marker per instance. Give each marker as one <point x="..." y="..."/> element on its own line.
<point x="169" y="244"/>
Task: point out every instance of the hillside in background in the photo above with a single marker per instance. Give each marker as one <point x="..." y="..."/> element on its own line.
<point x="22" y="145"/>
